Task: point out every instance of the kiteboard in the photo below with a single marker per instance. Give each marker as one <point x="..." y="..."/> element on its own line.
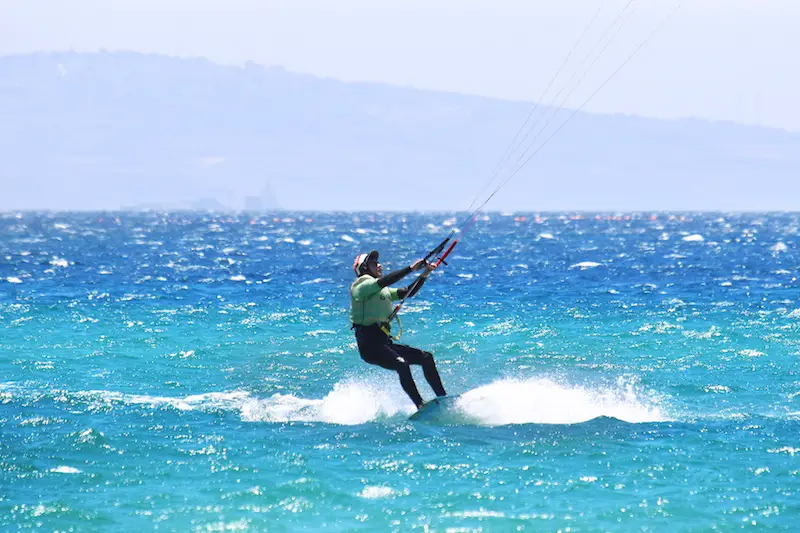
<point x="434" y="409"/>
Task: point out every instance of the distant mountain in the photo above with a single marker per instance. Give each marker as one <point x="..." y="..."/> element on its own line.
<point x="112" y="130"/>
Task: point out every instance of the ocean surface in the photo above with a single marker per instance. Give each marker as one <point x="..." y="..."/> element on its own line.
<point x="197" y="372"/>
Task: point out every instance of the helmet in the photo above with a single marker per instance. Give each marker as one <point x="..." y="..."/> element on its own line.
<point x="360" y="262"/>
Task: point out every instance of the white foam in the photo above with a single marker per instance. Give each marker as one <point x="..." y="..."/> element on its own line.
<point x="543" y="401"/>
<point x="349" y="403"/>
<point x="210" y="400"/>
<point x="751" y="353"/>
<point x="547" y="236"/>
<point x="183" y="354"/>
<point x="374" y="491"/>
<point x="779" y="247"/>
<point x="659" y="327"/>
<point x="693" y="238"/>
<point x="786" y="449"/>
<point x="348" y="238"/>
<point x="380" y="397"/>
<point x="318" y="332"/>
<point x="13" y="279"/>
<point x="583" y="265"/>
<point x="315" y="280"/>
<point x="237" y="278"/>
<point x="479" y="513"/>
<point x="65" y="470"/>
<point x="713" y="331"/>
<point x="59" y="262"/>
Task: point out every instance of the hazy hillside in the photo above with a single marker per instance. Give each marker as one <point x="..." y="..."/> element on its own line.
<point x="108" y="130"/>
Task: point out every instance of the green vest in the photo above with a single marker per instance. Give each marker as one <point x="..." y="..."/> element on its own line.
<point x="369" y="303"/>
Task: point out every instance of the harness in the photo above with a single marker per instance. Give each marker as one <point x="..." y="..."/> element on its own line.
<point x="386" y="327"/>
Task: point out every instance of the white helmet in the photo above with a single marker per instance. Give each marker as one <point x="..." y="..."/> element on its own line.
<point x="360" y="263"/>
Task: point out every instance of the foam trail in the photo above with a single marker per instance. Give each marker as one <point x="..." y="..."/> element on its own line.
<point x="360" y="401"/>
<point x="542" y="401"/>
<point x="206" y="401"/>
<point x="350" y="402"/>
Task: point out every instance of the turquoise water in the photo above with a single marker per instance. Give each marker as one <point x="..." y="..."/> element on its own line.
<point x="196" y="372"/>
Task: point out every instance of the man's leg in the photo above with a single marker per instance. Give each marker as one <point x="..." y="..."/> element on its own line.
<point x="384" y="355"/>
<point x="408" y="384"/>
<point x="415" y="356"/>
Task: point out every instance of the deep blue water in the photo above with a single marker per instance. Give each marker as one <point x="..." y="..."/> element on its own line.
<point x="196" y="372"/>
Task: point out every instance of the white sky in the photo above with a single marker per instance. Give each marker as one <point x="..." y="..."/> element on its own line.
<point x="719" y="59"/>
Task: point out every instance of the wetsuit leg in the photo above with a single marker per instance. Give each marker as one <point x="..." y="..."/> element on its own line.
<point x="375" y="349"/>
<point x="415" y="356"/>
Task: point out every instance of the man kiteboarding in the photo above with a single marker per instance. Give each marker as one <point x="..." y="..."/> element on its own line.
<point x="371" y="313"/>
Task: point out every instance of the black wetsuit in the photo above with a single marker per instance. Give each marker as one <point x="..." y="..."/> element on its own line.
<point x="378" y="348"/>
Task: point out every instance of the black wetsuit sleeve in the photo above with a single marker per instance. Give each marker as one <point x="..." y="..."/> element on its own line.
<point x="411" y="290"/>
<point x="393" y="277"/>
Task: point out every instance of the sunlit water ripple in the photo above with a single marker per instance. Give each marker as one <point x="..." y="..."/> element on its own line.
<point x="196" y="372"/>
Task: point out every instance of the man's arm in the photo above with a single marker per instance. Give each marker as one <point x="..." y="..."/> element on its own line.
<point x="394" y="277"/>
<point x="411" y="290"/>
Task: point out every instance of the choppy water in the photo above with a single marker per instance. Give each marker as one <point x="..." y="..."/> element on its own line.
<point x="196" y="372"/>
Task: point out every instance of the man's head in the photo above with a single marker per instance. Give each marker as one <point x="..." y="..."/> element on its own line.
<point x="368" y="264"/>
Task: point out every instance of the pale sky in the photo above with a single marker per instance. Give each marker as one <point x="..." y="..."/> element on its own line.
<point x="719" y="59"/>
